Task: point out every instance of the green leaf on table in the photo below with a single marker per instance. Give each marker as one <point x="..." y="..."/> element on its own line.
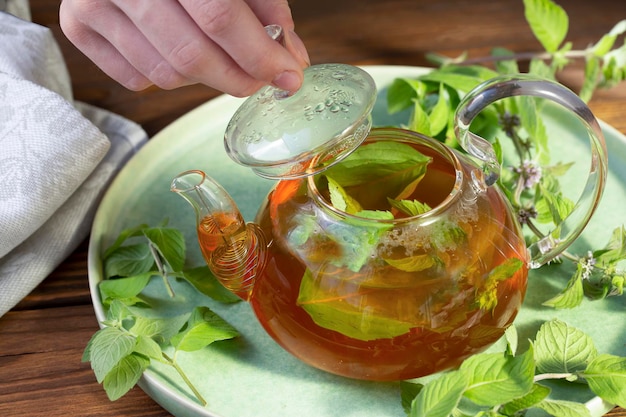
<point x="107" y="347"/>
<point x="158" y="328"/>
<point x="512" y="339"/>
<point x="170" y="243"/>
<point x="148" y="347"/>
<point x="537" y="394"/>
<point x="419" y="121"/>
<point x="615" y="249"/>
<point x="561" y="408"/>
<point x="439" y="115"/>
<point x="463" y="78"/>
<point x="128" y="261"/>
<point x="561" y="348"/>
<point x="204" y="281"/>
<point x="553" y="206"/>
<point x="497" y="378"/>
<point x="507" y="66"/>
<point x="408" y="392"/>
<point x="123" y="236"/>
<point x="124" y="375"/>
<point x="203" y="328"/>
<point x="573" y="293"/>
<point x="124" y="288"/>
<point x="548" y="21"/>
<point x="441" y="396"/>
<point x="606" y="376"/>
<point x="402" y="93"/>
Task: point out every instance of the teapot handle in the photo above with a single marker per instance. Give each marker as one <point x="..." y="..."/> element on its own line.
<point x="548" y="247"/>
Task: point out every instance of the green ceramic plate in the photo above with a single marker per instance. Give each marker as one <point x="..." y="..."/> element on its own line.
<point x="251" y="376"/>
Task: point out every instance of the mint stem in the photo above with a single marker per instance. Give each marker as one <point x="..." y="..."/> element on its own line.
<point x="182" y="374"/>
<point x="541" y="377"/>
<point x="518" y="57"/>
<point x="161" y="268"/>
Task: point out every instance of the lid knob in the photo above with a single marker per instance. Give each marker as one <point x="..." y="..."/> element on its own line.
<point x="285" y="137"/>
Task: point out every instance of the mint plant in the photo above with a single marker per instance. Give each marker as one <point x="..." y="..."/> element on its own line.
<point x="507" y="384"/>
<point x="130" y="339"/>
<point x="530" y="181"/>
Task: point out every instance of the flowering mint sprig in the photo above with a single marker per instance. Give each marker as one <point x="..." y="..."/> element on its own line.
<point x="529" y="180"/>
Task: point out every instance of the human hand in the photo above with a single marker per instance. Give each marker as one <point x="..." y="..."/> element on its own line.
<point x="171" y="43"/>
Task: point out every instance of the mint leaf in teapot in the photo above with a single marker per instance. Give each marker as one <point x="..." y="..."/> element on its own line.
<point x="409" y="207"/>
<point x="340" y="199"/>
<point x="376" y="171"/>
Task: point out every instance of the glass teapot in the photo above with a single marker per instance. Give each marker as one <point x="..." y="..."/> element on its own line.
<point x="376" y="292"/>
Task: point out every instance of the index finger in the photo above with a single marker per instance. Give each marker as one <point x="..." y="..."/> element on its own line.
<point x="235" y="27"/>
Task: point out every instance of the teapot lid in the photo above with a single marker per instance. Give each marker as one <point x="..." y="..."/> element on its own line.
<point x="283" y="136"/>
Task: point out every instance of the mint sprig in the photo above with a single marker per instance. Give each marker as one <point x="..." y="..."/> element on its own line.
<point x="529" y="179"/>
<point x="507" y="385"/>
<point x="130" y="339"/>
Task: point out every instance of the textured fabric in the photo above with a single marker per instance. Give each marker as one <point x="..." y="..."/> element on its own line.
<point x="56" y="156"/>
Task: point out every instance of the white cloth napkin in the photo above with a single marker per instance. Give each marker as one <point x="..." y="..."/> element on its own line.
<point x="56" y="156"/>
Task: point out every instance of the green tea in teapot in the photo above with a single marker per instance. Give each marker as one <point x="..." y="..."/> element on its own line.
<point x="380" y="254"/>
<point x="385" y="267"/>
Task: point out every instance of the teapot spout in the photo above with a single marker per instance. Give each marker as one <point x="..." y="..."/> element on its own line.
<point x="234" y="250"/>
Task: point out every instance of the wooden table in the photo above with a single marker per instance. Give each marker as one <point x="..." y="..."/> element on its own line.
<point x="42" y="339"/>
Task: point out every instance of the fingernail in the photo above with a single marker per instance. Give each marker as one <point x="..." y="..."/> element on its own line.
<point x="299" y="47"/>
<point x="287" y="80"/>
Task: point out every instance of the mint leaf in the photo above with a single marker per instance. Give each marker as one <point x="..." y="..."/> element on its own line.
<point x="548" y="21"/>
<point x="615" y="249"/>
<point x="560" y="408"/>
<point x="604" y="45"/>
<point x="409" y="207"/>
<point x="205" y="282"/>
<point x="121" y="288"/>
<point x="124" y="234"/>
<point x="340" y="199"/>
<point x="606" y="376"/>
<point x="106" y="348"/>
<point x="413" y="263"/>
<point x="402" y="93"/>
<point x="148" y="347"/>
<point x="378" y="170"/>
<point x="338" y="308"/>
<point x="127" y="261"/>
<point x="159" y="329"/>
<point x="537" y="394"/>
<point x="498" y="378"/>
<point x="487" y="298"/>
<point x="462" y="78"/>
<point x="440" y="397"/>
<point x="408" y="392"/>
<point x="203" y="328"/>
<point x="124" y="375"/>
<point x="170" y="243"/>
<point x="560" y="348"/>
<point x="573" y="293"/>
<point x="440" y="113"/>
